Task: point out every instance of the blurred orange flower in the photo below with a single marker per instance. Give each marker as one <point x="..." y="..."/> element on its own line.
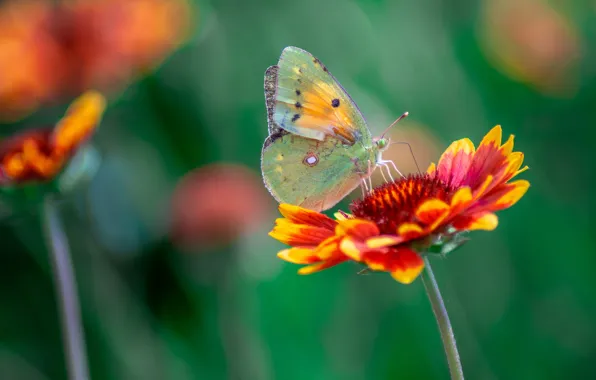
<point x="40" y="154"/>
<point x="398" y="221"/>
<point x="53" y="49"/>
<point x="206" y="211"/>
<point x="532" y="42"/>
<point x="30" y="57"/>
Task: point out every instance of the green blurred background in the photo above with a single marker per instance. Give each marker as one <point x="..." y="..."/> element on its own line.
<point x="177" y="276"/>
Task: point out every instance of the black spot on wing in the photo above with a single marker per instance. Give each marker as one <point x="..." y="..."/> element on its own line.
<point x="298" y="92"/>
<point x="298" y="105"/>
<point x="335" y="103"/>
<point x="320" y="64"/>
<point x="295" y="117"/>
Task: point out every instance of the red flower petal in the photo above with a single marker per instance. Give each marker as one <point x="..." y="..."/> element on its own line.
<point x="502" y="197"/>
<point x="455" y="162"/>
<point x="358" y="228"/>
<point x="479" y="221"/>
<point x="403" y="263"/>
<point x="487" y="159"/>
<point x="301" y="215"/>
<point x="293" y="234"/>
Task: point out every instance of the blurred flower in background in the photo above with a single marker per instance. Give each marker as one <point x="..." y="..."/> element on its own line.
<point x="31" y="60"/>
<point x="532" y="43"/>
<point x="216" y="204"/>
<point x="400" y="220"/>
<point x="39" y="155"/>
<point x="55" y="49"/>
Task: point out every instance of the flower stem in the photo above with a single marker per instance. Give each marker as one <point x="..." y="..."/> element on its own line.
<point x="436" y="301"/>
<point x="66" y="293"/>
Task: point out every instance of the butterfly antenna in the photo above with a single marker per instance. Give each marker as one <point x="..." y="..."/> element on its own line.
<point x="411" y="152"/>
<point x="405" y="114"/>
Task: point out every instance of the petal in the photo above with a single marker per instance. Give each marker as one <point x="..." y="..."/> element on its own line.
<point x="507" y="148"/>
<point x="414" y="265"/>
<point x="322" y="265"/>
<point x="431" y="168"/>
<point x="454" y="163"/>
<point x="487" y="159"/>
<point x="493" y="137"/>
<point x="403" y="263"/>
<point x="461" y="197"/>
<point x="46" y="166"/>
<point x="382" y="241"/>
<point x="300" y="215"/>
<point x="502" y="197"/>
<point x="299" y="234"/>
<point x="79" y="122"/>
<point x="480" y="221"/>
<point x="328" y="248"/>
<point x="298" y="255"/>
<point x="354" y="249"/>
<point x="409" y="231"/>
<point x="358" y="228"/>
<point x="340" y="215"/>
<point x="432" y="212"/>
<point x="485" y="186"/>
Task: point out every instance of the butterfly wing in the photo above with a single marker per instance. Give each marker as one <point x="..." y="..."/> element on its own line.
<point x="310" y="173"/>
<point x="303" y="98"/>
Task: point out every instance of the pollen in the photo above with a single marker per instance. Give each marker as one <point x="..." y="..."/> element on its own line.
<point x="396" y="202"/>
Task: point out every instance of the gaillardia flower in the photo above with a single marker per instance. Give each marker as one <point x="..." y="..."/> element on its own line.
<point x="395" y="224"/>
<point x="39" y="155"/>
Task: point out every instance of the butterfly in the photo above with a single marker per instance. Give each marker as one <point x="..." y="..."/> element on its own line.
<point x="319" y="147"/>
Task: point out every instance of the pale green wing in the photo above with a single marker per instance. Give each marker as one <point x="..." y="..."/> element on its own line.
<point x="310" y="173"/>
<point x="303" y="98"/>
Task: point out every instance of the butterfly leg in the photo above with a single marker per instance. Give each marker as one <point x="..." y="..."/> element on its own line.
<point x="383" y="174"/>
<point x="385" y="162"/>
<point x="363" y="186"/>
<point x="384" y="165"/>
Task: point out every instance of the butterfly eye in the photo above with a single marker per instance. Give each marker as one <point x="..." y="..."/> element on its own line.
<point x="311" y="160"/>
<point x="382" y="143"/>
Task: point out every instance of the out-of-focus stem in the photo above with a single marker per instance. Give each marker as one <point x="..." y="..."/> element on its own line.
<point x="436" y="301"/>
<point x="66" y="293"/>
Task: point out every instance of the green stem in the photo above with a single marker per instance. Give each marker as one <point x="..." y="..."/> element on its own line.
<point x="66" y="293"/>
<point x="436" y="301"/>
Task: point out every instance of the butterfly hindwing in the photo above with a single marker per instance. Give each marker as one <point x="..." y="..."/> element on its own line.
<point x="309" y="102"/>
<point x="309" y="173"/>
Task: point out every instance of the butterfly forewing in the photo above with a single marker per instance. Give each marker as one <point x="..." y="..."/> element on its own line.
<point x="309" y="101"/>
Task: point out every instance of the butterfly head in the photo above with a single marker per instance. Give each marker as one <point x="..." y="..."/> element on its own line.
<point x="382" y="143"/>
